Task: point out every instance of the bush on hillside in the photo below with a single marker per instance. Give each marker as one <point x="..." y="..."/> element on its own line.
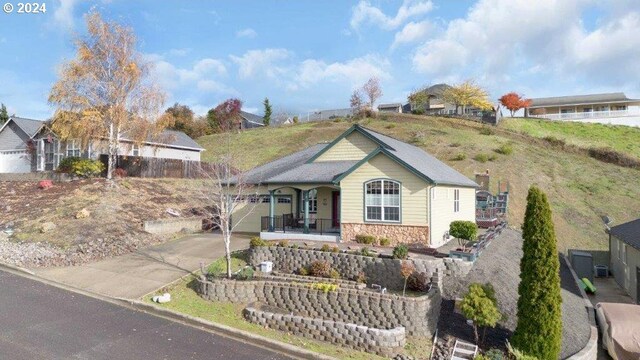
<point x="539" y="328"/>
<point x="478" y="306"/>
<point x="459" y="157"/>
<point x="482" y="157"/>
<point x="505" y="149"/>
<point x="401" y="252"/>
<point x="485" y="130"/>
<point x="365" y="239"/>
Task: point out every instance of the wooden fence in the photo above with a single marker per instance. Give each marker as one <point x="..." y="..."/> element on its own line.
<point x="147" y="167"/>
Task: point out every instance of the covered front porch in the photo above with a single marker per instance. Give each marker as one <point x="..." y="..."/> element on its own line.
<point x="314" y="214"/>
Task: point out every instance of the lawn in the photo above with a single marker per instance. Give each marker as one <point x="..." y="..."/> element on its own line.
<point x="625" y="139"/>
<point x="580" y="189"/>
<point x="185" y="300"/>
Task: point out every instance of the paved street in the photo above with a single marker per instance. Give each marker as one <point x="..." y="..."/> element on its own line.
<point x="134" y="275"/>
<point x="38" y="321"/>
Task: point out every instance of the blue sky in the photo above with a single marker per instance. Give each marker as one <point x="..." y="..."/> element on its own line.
<point x="309" y="55"/>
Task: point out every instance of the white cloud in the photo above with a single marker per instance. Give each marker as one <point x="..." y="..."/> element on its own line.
<point x="246" y="33"/>
<point x="63" y="15"/>
<point x="365" y="13"/>
<point x="204" y="74"/>
<point x="179" y="52"/>
<point x="412" y="32"/>
<point x="354" y="72"/>
<point x="261" y="62"/>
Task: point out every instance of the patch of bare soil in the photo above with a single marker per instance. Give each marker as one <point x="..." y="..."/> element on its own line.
<point x="85" y="220"/>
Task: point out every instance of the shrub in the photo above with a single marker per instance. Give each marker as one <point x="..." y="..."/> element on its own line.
<point x="459" y="157"/>
<point x="539" y="327"/>
<point x="384" y="241"/>
<point x="466" y="230"/>
<point x="360" y="278"/>
<point x="81" y="167"/>
<point x="517" y="354"/>
<point x="505" y="149"/>
<point x="554" y="141"/>
<point x="334" y="274"/>
<point x="325" y="248"/>
<point x="120" y="173"/>
<point x="485" y="130"/>
<point x="320" y="268"/>
<point x="365" y="239"/>
<point x="366" y="252"/>
<point x="481" y="357"/>
<point x="283" y="243"/>
<point x="324" y="287"/>
<point x="303" y="271"/>
<point x="482" y="157"/>
<point x="493" y="157"/>
<point x="418" y="282"/>
<point x="256" y="242"/>
<point x="417" y="112"/>
<point x="401" y="252"/>
<point x="245" y="273"/>
<point x="494" y="354"/>
<point x="335" y="249"/>
<point x="480" y="308"/>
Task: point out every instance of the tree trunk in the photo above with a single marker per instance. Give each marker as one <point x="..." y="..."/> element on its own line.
<point x="475" y="332"/>
<point x="404" y="289"/>
<point x="227" y="250"/>
<point x="111" y="151"/>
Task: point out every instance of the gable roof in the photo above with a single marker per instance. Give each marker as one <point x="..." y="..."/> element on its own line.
<point x="392" y="105"/>
<point x="300" y="166"/>
<point x="616" y="97"/>
<point x="30" y="126"/>
<point x="628" y="232"/>
<point x="252" y="118"/>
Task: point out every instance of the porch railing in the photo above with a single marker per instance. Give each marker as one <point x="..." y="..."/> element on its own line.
<point x="296" y="224"/>
<point x="587" y="115"/>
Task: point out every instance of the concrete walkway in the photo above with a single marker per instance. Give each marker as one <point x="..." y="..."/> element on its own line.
<point x="134" y="275"/>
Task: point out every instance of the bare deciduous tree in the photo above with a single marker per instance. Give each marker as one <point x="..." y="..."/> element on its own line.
<point x="356" y="102"/>
<point x="105" y="92"/>
<point x="372" y="90"/>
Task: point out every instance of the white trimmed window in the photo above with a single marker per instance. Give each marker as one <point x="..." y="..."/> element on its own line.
<point x="135" y="150"/>
<point x="73" y="148"/>
<point x="382" y="201"/>
<point x="456" y="200"/>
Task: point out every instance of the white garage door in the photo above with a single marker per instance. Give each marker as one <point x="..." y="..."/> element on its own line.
<point x="14" y="162"/>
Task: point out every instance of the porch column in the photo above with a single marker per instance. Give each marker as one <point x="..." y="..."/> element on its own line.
<point x="305" y="195"/>
<point x="272" y="210"/>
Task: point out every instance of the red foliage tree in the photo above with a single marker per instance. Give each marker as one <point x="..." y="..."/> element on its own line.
<point x="227" y="115"/>
<point x="514" y="102"/>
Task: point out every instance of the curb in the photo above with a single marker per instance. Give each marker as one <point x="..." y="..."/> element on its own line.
<point x="227" y="331"/>
<point x="218" y="329"/>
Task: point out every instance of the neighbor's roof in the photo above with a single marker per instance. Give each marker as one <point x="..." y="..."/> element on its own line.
<point x="178" y="139"/>
<point x="29" y="126"/>
<point x="300" y="168"/>
<point x="437" y="89"/>
<point x="252" y="118"/>
<point x="617" y="97"/>
<point x="628" y="232"/>
<point x="392" y="105"/>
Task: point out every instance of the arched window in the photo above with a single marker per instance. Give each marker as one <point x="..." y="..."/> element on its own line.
<point x="382" y="200"/>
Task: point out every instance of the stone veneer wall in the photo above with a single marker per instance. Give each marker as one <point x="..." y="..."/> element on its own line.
<point x="418" y="315"/>
<point x="381" y="271"/>
<point x="397" y="234"/>
<point x="380" y="341"/>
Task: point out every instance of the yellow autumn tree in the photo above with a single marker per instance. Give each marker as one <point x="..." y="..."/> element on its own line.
<point x="105" y="95"/>
<point x="467" y="94"/>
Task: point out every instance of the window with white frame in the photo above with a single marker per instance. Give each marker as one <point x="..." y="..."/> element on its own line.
<point x="284" y="200"/>
<point x="382" y="200"/>
<point x="73" y="148"/>
<point x="456" y="200"/>
<point x="135" y="150"/>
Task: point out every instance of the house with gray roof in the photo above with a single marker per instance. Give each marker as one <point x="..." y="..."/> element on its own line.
<point x="393" y="108"/>
<point x="624" y="252"/>
<point x="433" y="103"/>
<point x="362" y="183"/>
<point x="250" y="121"/>
<point x="615" y="108"/>
<point x="28" y="145"/>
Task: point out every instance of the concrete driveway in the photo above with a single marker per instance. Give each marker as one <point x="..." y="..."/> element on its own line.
<point x="137" y="274"/>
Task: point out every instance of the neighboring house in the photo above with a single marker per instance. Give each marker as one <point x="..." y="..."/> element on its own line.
<point x="392" y="108"/>
<point x="614" y="108"/>
<point x="363" y="182"/>
<point x="435" y="105"/>
<point x="250" y="121"/>
<point x="624" y="250"/>
<point x="330" y="114"/>
<point x="28" y="145"/>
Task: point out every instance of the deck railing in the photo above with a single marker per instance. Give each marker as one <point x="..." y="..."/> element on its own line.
<point x="588" y="115"/>
<point x="291" y="223"/>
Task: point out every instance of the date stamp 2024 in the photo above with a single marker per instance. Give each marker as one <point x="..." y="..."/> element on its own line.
<point x="25" y="8"/>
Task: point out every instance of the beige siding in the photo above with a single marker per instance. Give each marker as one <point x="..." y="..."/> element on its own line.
<point x="623" y="266"/>
<point x="251" y="223"/>
<point x="414" y="191"/>
<point x="353" y="147"/>
<point x="442" y="210"/>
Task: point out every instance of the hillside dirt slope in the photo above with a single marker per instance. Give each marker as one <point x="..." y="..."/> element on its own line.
<point x="580" y="188"/>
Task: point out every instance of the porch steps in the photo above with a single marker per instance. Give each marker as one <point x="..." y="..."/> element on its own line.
<point x="464" y="351"/>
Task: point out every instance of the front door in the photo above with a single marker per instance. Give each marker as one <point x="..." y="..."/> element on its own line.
<point x="335" y="209"/>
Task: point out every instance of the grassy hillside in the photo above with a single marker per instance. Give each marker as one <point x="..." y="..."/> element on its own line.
<point x="580" y="188"/>
<point x="622" y="138"/>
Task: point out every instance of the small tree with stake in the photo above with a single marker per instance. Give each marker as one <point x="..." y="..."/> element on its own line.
<point x="480" y="306"/>
<point x="406" y="269"/>
<point x="464" y="231"/>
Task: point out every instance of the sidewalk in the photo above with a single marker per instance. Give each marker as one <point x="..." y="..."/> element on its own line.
<point x="134" y="275"/>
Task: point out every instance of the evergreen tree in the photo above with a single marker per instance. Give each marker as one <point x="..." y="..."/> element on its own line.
<point x="539" y="328"/>
<point x="4" y="116"/>
<point x="267" y="112"/>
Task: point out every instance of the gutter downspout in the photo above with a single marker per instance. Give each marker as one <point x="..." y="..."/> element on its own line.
<point x="430" y="196"/>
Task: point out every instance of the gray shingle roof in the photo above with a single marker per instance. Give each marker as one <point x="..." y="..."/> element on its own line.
<point x="253" y="118"/>
<point x="628" y="232"/>
<point x="580" y="99"/>
<point x="426" y="164"/>
<point x="178" y="139"/>
<point x="29" y="126"/>
<point x="389" y="105"/>
<point x="263" y="173"/>
<point x="320" y="172"/>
